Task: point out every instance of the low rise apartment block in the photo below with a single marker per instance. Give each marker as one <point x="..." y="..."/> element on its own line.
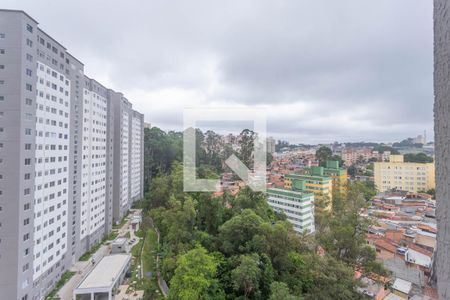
<point x="409" y="176"/>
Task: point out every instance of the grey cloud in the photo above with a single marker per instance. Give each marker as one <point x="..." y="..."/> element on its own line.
<point x="362" y="68"/>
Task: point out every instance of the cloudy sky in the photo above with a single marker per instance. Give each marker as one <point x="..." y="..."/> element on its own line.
<point x="348" y="70"/>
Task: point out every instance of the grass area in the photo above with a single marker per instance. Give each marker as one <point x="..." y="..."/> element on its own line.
<point x="88" y="254"/>
<point x="112" y="236"/>
<point x="122" y="222"/>
<point x="128" y="235"/>
<point x="149" y="247"/>
<point x="61" y="282"/>
<point x="139" y="233"/>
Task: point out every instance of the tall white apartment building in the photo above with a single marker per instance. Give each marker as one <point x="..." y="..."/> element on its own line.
<point x="128" y="155"/>
<point x="93" y="181"/>
<point x="297" y="206"/>
<point x="58" y="139"/>
<point x="136" y="155"/>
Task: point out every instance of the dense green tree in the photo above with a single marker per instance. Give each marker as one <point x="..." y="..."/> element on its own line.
<point x="343" y="235"/>
<point x="195" y="277"/>
<point x="211" y="212"/>
<point x="213" y="147"/>
<point x="323" y="154"/>
<point x="256" y="201"/>
<point x="331" y="279"/>
<point x="352" y="171"/>
<point x="238" y="235"/>
<point x="160" y="151"/>
<point x="417" y="158"/>
<point x="280" y="290"/>
<point x="246" y="147"/>
<point x="267" y="275"/>
<point x="384" y="148"/>
<point x="246" y="276"/>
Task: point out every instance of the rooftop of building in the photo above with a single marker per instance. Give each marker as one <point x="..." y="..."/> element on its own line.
<point x="402" y="286"/>
<point x="308" y="177"/>
<point x="105" y="272"/>
<point x="291" y="193"/>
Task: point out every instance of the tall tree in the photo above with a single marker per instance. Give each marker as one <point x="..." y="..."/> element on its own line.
<point x="246" y="143"/>
<point x="194" y="276"/>
<point x="247" y="275"/>
<point x="237" y="234"/>
<point x="280" y="290"/>
<point x="323" y="154"/>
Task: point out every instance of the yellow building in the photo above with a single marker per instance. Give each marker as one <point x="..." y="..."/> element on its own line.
<point x="339" y="176"/>
<point x="320" y="185"/>
<point x="407" y="176"/>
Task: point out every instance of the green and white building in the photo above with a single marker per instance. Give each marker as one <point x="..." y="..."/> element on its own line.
<point x="296" y="205"/>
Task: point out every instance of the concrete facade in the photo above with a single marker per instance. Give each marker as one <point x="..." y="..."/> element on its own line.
<point x="297" y="206"/>
<point x="407" y="176"/>
<point x="442" y="142"/>
<point x="57" y="158"/>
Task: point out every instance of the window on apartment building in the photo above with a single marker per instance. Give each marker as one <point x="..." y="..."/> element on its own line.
<point x="2" y="51"/>
<point x="26" y="237"/>
<point x="27" y="161"/>
<point x="2" y="98"/>
<point x="28" y="101"/>
<point x="29" y="43"/>
<point x="28" y="72"/>
<point x="29" y="87"/>
<point x="29" y="28"/>
<point x="26" y="191"/>
<point x="2" y="35"/>
<point x="26" y="206"/>
<point x="2" y="82"/>
<point x="27" y="176"/>
<point x="2" y="67"/>
<point x="1" y="129"/>
<point x="29" y="57"/>
<point x="27" y="131"/>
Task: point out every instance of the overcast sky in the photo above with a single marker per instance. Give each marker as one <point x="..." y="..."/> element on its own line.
<point x="324" y="70"/>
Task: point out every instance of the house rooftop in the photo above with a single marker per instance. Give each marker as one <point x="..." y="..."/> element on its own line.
<point x="402" y="286"/>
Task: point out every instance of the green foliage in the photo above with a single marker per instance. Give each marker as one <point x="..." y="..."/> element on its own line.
<point x="323" y="154"/>
<point x="195" y="275"/>
<point x="417" y="158"/>
<point x="246" y="143"/>
<point x="332" y="279"/>
<point x="343" y="233"/>
<point x="383" y="148"/>
<point x="280" y="290"/>
<point x="252" y="246"/>
<point x="246" y="276"/>
<point x="65" y="277"/>
<point x="239" y="234"/>
<point x="161" y="149"/>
